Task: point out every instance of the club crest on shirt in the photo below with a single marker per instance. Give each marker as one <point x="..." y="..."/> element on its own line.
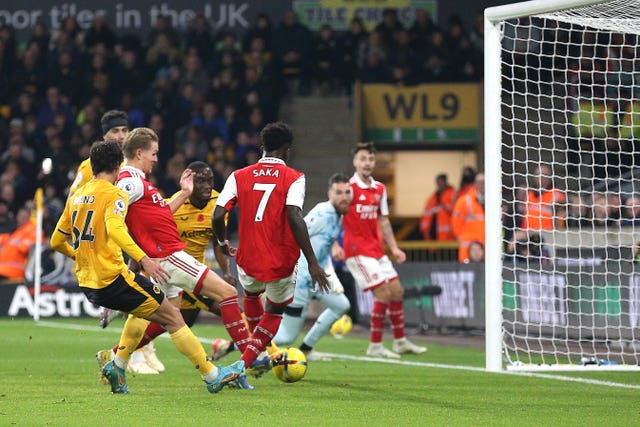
<point x="378" y="197"/>
<point x="200" y="218"/>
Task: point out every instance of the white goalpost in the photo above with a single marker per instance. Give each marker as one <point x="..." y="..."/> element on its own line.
<point x="562" y="173"/>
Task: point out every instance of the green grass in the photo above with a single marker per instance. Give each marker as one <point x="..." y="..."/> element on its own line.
<point x="48" y="376"/>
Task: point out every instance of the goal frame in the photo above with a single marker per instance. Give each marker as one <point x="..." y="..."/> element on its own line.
<point x="493" y="162"/>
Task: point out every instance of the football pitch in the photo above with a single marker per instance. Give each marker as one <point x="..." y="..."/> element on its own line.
<point x="49" y="376"/>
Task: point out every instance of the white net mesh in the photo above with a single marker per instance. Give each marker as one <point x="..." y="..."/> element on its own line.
<point x="570" y="123"/>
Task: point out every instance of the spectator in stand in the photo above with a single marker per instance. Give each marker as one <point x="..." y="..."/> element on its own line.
<point x="163" y="27"/>
<point x="349" y="46"/>
<point x="435" y="223"/>
<point x="468" y="218"/>
<point x="193" y="73"/>
<point x="262" y="29"/>
<point x="30" y="73"/>
<point x="476" y="252"/>
<point x="53" y="104"/>
<point x="467" y="181"/>
<point x="631" y="216"/>
<point x="162" y="54"/>
<point x="389" y="26"/>
<point x="545" y="209"/>
<point x="15" y="247"/>
<point x="199" y="38"/>
<point x="7" y="219"/>
<point x="293" y="48"/>
<point x="99" y="33"/>
<point x="605" y="209"/>
<point x="127" y="75"/>
<point x="211" y="123"/>
<point x="325" y="60"/>
<point x="578" y="210"/>
<point x="421" y="31"/>
<point x="512" y="216"/>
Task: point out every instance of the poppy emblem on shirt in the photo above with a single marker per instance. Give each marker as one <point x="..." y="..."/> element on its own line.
<point x="200" y="218"/>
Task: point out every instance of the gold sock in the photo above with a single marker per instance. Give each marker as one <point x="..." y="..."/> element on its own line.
<point x="188" y="344"/>
<point x="131" y="336"/>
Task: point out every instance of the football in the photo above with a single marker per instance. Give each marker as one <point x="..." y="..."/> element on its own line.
<point x="290" y="365"/>
<point x="341" y="327"/>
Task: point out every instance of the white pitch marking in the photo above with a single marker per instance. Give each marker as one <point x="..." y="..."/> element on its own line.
<point x="379" y="360"/>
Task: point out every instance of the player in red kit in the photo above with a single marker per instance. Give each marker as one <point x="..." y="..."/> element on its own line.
<point x="272" y="232"/>
<point x="365" y="256"/>
<point x="151" y="224"/>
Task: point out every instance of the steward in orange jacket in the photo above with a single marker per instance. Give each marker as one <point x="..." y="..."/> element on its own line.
<point x="15" y="247"/>
<point x="468" y="218"/>
<point x="544" y="209"/>
<point x="435" y="223"/>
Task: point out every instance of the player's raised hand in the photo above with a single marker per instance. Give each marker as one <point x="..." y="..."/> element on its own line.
<point x="154" y="270"/>
<point x="186" y="181"/>
<point x="319" y="276"/>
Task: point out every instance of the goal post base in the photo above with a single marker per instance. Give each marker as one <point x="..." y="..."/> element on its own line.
<point x="570" y="368"/>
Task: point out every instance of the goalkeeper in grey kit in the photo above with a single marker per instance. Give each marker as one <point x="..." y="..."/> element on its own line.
<point x="324" y="223"/>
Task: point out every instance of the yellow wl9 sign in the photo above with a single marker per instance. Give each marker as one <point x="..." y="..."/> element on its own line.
<point x="428" y="112"/>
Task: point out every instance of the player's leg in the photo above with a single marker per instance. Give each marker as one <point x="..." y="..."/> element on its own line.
<point x="367" y="274"/>
<point x="278" y="295"/>
<point x="168" y="315"/>
<point x="337" y="304"/>
<point x="294" y="314"/>
<point x="396" y="310"/>
<point x="193" y="276"/>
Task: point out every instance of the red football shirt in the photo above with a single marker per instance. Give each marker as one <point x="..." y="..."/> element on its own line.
<point x="149" y="218"/>
<point x="360" y="223"/>
<point x="267" y="250"/>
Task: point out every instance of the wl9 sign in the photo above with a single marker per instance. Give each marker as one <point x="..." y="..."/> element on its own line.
<point x="428" y="113"/>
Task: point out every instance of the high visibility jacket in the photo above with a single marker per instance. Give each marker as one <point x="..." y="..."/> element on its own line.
<point x="439" y="208"/>
<point x="538" y="213"/>
<point x="468" y="223"/>
<point x="14" y="250"/>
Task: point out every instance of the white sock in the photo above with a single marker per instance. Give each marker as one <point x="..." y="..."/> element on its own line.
<point x="211" y="375"/>
<point x="120" y="362"/>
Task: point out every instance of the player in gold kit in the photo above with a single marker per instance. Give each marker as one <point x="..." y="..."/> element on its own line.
<point x="93" y="219"/>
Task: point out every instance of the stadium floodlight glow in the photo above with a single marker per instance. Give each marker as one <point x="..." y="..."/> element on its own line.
<point x="561" y="89"/>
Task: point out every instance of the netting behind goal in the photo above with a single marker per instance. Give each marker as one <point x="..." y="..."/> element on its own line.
<point x="570" y="123"/>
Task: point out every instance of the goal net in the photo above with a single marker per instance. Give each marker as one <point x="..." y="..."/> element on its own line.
<point x="563" y="174"/>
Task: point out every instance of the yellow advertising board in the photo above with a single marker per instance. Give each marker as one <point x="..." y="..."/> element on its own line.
<point x="421" y="113"/>
<point x="338" y="13"/>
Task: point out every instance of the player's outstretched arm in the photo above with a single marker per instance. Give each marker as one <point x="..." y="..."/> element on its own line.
<point x="301" y="234"/>
<point x="220" y="230"/>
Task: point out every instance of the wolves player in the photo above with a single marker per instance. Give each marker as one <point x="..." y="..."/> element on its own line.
<point x="272" y="232"/>
<point x="94" y="219"/>
<point x="324" y="222"/>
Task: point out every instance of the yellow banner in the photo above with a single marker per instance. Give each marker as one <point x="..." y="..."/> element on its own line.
<point x="338" y="13"/>
<point x="426" y="106"/>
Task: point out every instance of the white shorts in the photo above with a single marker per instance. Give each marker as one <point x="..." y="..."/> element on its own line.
<point x="370" y="272"/>
<point x="278" y="292"/>
<point x="186" y="273"/>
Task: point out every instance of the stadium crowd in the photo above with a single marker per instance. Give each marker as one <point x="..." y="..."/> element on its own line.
<point x="206" y="93"/>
